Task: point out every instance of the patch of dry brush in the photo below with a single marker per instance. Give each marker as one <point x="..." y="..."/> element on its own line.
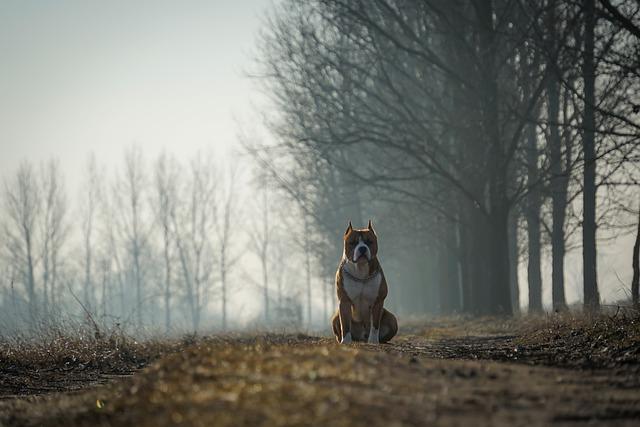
<point x="57" y="359"/>
<point x="584" y="341"/>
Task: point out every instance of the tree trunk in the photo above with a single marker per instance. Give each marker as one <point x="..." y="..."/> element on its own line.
<point x="123" y="296"/>
<point x="31" y="280"/>
<point x="513" y="260"/>
<point x="265" y="287"/>
<point x="87" y="269"/>
<point x="443" y="282"/>
<point x="264" y="255"/>
<point x="45" y="267"/>
<point x="325" y="302"/>
<point x="467" y="265"/>
<point x="589" y="254"/>
<point x="167" y="280"/>
<point x="453" y="277"/>
<point x="475" y="291"/>
<point x="103" y="302"/>
<point x="635" y="281"/>
<point x="278" y="280"/>
<point x="498" y="278"/>
<point x="559" y="178"/>
<point x="447" y="266"/>
<point x="534" y="275"/>
<point x="53" y="281"/>
<point x="190" y="294"/>
<point x="498" y="298"/>
<point x="223" y="283"/>
<point x="308" y="279"/>
<point x="307" y="265"/>
<point x="138" y="283"/>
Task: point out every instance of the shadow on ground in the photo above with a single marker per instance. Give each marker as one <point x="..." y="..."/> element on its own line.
<point x="438" y="374"/>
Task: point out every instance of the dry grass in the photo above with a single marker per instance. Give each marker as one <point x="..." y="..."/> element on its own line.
<point x="55" y="359"/>
<point x="443" y="327"/>
<point x="572" y="340"/>
<point x="585" y="341"/>
<point x="71" y="358"/>
<point x="294" y="380"/>
<point x="81" y="347"/>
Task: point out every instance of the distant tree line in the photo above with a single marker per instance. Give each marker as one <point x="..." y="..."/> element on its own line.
<point x="477" y="135"/>
<point x="478" y="132"/>
<point x="161" y="246"/>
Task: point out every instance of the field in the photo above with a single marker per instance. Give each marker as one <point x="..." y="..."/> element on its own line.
<point x="535" y="371"/>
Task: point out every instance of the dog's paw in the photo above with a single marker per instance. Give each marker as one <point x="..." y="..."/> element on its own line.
<point x="374" y="336"/>
<point x="346" y="339"/>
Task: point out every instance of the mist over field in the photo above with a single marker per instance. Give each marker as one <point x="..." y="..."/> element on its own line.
<point x="329" y="212"/>
<point x="158" y="173"/>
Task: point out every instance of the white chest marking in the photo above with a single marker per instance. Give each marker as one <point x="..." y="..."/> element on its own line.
<point x="362" y="295"/>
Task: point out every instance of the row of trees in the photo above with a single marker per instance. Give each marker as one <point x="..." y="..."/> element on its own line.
<point x="466" y="126"/>
<point x="475" y="134"/>
<point x="166" y="245"/>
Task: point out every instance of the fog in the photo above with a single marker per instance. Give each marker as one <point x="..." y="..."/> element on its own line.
<point x="83" y="77"/>
<point x="191" y="167"/>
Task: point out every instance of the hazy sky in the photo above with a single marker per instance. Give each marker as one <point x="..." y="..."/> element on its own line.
<point x="81" y="76"/>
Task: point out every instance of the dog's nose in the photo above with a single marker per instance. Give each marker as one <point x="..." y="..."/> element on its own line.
<point x="362" y="250"/>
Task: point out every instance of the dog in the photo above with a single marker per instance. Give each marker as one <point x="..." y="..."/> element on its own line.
<point x="362" y="289"/>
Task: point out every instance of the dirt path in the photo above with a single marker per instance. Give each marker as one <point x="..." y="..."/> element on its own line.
<point x="303" y="380"/>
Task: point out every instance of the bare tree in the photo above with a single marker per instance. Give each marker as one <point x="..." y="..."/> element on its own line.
<point x="166" y="181"/>
<point x="193" y="225"/>
<point x="22" y="208"/>
<point x="375" y="92"/>
<point x="514" y="259"/>
<point x="226" y="224"/>
<point x="132" y="224"/>
<point x="615" y="15"/>
<point x="307" y="269"/>
<point x="635" y="280"/>
<point x="54" y="229"/>
<point x="589" y="257"/>
<point x="260" y="233"/>
<point x="112" y="257"/>
<point x="89" y="206"/>
<point x="533" y="206"/>
<point x="316" y="192"/>
<point x="106" y="294"/>
<point x="388" y="68"/>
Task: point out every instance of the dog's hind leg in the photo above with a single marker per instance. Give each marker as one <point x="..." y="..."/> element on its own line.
<point x="388" y="326"/>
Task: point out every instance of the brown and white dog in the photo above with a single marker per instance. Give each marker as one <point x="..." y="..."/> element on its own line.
<point x="361" y="289"/>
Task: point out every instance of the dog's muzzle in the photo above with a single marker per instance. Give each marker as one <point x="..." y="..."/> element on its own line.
<point x="361" y="250"/>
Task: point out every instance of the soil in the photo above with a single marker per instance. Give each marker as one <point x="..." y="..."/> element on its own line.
<point x="442" y="373"/>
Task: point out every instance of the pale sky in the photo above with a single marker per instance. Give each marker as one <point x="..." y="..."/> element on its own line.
<point x="97" y="76"/>
<point x="82" y="76"/>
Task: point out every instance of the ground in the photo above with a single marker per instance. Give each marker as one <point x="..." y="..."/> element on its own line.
<point x="453" y="372"/>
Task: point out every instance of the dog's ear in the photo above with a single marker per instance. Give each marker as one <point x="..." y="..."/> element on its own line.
<point x="349" y="228"/>
<point x="370" y="226"/>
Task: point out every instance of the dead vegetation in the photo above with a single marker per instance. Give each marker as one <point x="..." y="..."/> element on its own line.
<point x="60" y="360"/>
<point x="561" y="368"/>
<point x="569" y="340"/>
<point x="585" y="341"/>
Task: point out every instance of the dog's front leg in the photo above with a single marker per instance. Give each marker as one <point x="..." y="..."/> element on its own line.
<point x="345" y="321"/>
<point x="376" y="315"/>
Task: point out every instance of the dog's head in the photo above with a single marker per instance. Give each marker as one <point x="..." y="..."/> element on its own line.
<point x="360" y="244"/>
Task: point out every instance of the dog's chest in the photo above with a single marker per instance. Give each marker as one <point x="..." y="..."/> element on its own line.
<point x="362" y="295"/>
